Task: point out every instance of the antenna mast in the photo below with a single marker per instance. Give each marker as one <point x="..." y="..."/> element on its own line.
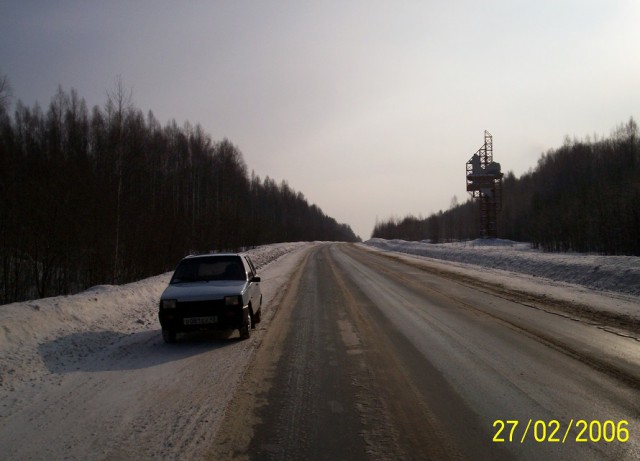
<point x="484" y="182"/>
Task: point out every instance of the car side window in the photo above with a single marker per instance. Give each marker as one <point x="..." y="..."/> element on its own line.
<point x="251" y="270"/>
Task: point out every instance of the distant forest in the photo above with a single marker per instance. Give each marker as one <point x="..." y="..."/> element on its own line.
<point x="109" y="195"/>
<point x="584" y="197"/>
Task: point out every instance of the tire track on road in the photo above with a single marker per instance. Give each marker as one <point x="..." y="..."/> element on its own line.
<point x="602" y="364"/>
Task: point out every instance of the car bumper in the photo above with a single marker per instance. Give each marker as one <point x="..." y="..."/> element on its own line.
<point x="203" y="315"/>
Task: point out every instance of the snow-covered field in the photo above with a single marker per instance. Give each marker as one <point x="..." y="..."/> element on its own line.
<point x="610" y="283"/>
<point x="32" y="333"/>
<point x="87" y="376"/>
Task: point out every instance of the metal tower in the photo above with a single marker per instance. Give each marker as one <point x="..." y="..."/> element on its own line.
<point x="484" y="182"/>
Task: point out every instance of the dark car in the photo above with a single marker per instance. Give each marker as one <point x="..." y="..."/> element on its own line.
<point x="211" y="292"/>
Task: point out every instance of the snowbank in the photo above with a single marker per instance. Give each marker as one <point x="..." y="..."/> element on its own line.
<point x="618" y="274"/>
<point x="116" y="310"/>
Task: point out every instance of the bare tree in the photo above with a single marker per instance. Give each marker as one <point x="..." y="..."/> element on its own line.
<point x="119" y="104"/>
<point x="5" y="93"/>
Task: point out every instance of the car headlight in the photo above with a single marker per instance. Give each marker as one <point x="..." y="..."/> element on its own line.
<point x="169" y="303"/>
<point x="232" y="300"/>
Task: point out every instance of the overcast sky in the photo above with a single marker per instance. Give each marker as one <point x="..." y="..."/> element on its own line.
<point x="369" y="108"/>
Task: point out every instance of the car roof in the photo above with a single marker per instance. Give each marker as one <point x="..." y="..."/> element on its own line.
<point x="210" y="255"/>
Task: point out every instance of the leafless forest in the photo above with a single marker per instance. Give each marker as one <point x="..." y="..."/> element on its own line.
<point x="584" y="196"/>
<point x="109" y="195"/>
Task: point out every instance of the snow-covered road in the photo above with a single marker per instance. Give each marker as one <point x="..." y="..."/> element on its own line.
<point x="88" y="377"/>
<point x="379" y="357"/>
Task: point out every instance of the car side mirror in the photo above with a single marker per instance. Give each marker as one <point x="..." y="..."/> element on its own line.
<point x="255" y="279"/>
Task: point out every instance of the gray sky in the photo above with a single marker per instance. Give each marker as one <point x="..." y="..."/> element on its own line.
<point x="369" y="108"/>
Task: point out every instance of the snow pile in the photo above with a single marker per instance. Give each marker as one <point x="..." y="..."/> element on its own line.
<point x="620" y="274"/>
<point x="54" y="330"/>
<point x="263" y="255"/>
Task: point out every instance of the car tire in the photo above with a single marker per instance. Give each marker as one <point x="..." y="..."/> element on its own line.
<point x="169" y="336"/>
<point x="245" y="331"/>
<point x="258" y="315"/>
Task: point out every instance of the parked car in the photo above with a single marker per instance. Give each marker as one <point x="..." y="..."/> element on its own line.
<point x="211" y="292"/>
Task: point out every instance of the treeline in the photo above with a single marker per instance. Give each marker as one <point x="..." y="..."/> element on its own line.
<point x="584" y="196"/>
<point x="108" y="195"/>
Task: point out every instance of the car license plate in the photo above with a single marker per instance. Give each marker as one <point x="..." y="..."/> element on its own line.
<point x="200" y="320"/>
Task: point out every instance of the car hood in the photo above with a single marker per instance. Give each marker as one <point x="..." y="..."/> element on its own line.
<point x="204" y="291"/>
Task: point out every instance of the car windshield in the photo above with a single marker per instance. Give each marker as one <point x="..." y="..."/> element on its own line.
<point x="209" y="269"/>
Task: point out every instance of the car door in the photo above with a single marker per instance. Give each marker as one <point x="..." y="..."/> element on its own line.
<point x="254" y="288"/>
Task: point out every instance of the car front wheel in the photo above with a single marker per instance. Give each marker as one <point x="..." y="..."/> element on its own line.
<point x="245" y="331"/>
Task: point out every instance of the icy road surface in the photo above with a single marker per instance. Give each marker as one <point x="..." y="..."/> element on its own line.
<point x="375" y="357"/>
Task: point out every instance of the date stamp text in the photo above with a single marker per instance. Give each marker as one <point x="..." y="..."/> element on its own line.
<point x="553" y="431"/>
